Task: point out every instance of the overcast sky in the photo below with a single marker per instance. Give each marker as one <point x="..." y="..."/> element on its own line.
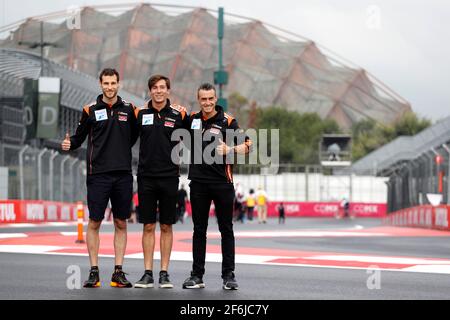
<point x="404" y="43"/>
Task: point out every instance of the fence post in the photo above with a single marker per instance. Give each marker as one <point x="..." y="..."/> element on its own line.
<point x="447" y="149"/>
<point x="72" y="194"/>
<point x="39" y="164"/>
<point x="22" y="183"/>
<point x="62" y="177"/>
<point x="51" y="175"/>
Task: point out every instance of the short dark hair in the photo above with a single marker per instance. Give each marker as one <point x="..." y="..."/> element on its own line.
<point x="206" y="86"/>
<point x="109" y="72"/>
<point x="157" y="77"/>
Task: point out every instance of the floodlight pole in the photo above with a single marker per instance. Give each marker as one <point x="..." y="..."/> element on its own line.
<point x="41" y="45"/>
<point x="221" y="76"/>
<point x="21" y="172"/>
<point x="429" y="159"/>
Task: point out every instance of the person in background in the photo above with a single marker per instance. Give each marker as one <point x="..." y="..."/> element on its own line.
<point x="261" y="201"/>
<point x="281" y="214"/>
<point x="345" y="207"/>
<point x="250" y="204"/>
<point x="182" y="197"/>
<point x="239" y="203"/>
<point x="135" y="208"/>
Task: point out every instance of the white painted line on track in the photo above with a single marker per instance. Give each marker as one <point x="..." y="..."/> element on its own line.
<point x="12" y="235"/>
<point x="28" y="249"/>
<point x="380" y="259"/>
<point x="276" y="234"/>
<point x="18" y="225"/>
<point x="215" y="257"/>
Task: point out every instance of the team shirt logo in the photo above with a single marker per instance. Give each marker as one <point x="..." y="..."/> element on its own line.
<point x="123" y="116"/>
<point x="169" y="122"/>
<point x="101" y="115"/>
<point x="147" y="119"/>
<point x="196" y="124"/>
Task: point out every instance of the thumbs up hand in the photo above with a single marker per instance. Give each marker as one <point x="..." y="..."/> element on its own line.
<point x="65" y="145"/>
<point x="222" y="148"/>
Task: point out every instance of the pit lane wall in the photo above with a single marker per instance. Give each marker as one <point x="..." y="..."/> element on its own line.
<point x="323" y="209"/>
<point x="328" y="209"/>
<point x="427" y="216"/>
<point x="29" y="211"/>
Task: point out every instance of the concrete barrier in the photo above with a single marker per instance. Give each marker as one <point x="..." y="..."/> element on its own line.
<point x="29" y="211"/>
<point x="427" y="216"/>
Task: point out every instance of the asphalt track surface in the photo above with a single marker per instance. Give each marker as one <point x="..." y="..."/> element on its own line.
<point x="318" y="259"/>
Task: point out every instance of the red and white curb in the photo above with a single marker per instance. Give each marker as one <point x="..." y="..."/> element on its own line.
<point x="62" y="243"/>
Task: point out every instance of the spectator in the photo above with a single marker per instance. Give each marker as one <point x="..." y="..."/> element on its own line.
<point x="182" y="197"/>
<point x="135" y="208"/>
<point x="345" y="206"/>
<point x="281" y="214"/>
<point x="250" y="204"/>
<point x="261" y="200"/>
<point x="239" y="203"/>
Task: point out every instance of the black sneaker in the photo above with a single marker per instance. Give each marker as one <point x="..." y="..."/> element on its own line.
<point x="229" y="282"/>
<point x="93" y="281"/>
<point x="146" y="281"/>
<point x="193" y="282"/>
<point x="119" y="280"/>
<point x="164" y="281"/>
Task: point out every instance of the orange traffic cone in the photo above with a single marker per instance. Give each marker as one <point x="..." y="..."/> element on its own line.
<point x="80" y="216"/>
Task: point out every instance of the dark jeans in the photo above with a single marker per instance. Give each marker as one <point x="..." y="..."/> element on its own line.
<point x="201" y="196"/>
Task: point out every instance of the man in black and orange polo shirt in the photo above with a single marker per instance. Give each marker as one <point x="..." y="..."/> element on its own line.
<point x="110" y="125"/>
<point x="158" y="176"/>
<point x="213" y="181"/>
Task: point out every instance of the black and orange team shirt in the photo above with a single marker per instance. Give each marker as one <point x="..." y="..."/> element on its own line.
<point x="156" y="145"/>
<point x="112" y="132"/>
<point x="212" y="129"/>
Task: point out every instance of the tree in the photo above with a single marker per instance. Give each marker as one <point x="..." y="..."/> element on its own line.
<point x="369" y="135"/>
<point x="236" y="102"/>
<point x="410" y="124"/>
<point x="238" y="107"/>
<point x="299" y="133"/>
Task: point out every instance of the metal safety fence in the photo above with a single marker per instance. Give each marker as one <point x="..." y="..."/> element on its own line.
<point x="43" y="174"/>
<point x="421" y="180"/>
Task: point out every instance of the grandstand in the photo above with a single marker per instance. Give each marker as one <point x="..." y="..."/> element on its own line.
<point x="266" y="64"/>
<point x="416" y="166"/>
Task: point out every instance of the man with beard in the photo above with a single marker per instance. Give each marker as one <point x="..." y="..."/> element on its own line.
<point x="110" y="124"/>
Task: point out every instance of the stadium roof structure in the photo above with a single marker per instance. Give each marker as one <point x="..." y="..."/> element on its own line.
<point x="266" y="64"/>
<point x="386" y="159"/>
<point x="78" y="88"/>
